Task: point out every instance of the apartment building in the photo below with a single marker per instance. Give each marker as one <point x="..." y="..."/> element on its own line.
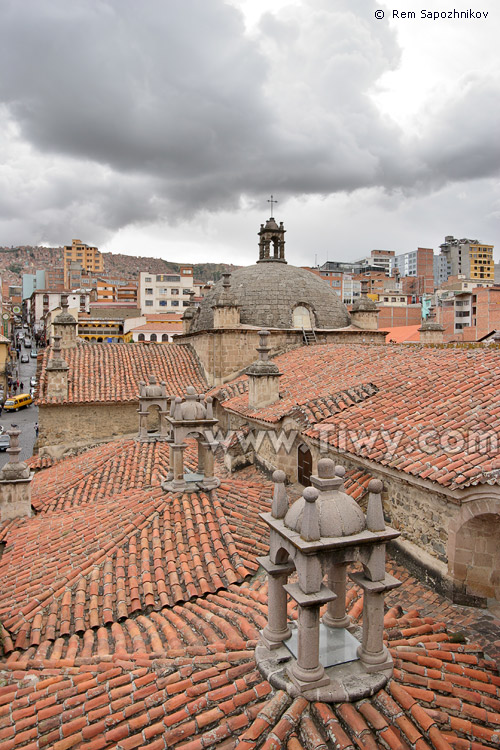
<point x="471" y="314"/>
<point x="89" y="258"/>
<point x="470" y="258"/>
<point x="167" y="291"/>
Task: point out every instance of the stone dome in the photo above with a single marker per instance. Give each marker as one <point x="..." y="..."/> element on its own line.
<point x="270" y="292"/>
<point x="191" y="409"/>
<point x="339" y="514"/>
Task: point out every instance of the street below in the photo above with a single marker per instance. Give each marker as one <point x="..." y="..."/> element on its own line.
<point x="26" y="418"/>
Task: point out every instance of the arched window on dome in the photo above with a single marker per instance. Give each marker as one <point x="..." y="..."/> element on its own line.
<point x="302" y="317"/>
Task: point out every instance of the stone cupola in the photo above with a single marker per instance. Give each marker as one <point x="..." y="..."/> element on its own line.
<point x="226" y="309"/>
<point x="15" y="482"/>
<point x="65" y="325"/>
<point x="272" y="242"/>
<point x="364" y="313"/>
<point x="57" y="372"/>
<point x="263" y="377"/>
<point x="153" y="394"/>
<point x="192" y="417"/>
<point x="321" y="534"/>
<point x="431" y="332"/>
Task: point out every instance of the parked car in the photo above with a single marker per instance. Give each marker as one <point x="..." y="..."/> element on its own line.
<point x="33" y="353"/>
<point x="4" y="441"/>
<point x="25" y="358"/>
<point x="27" y="343"/>
<point x="33" y="381"/>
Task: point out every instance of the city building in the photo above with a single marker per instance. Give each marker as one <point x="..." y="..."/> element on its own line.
<point x="32" y="281"/>
<point x="88" y="257"/>
<point x="469" y="314"/>
<point x="416" y="269"/>
<point x="167" y="291"/>
<point x="470" y="258"/>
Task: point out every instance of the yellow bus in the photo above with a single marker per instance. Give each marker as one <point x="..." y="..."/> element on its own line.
<point x="13" y="403"/>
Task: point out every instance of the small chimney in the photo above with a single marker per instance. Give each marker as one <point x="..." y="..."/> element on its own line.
<point x="15" y="482"/>
<point x="226" y="309"/>
<point x="57" y="373"/>
<point x="65" y="325"/>
<point x="263" y="377"/>
<point x="364" y="313"/>
<point x="430" y="331"/>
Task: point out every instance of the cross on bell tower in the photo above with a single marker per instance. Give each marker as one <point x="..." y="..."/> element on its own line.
<point x="271" y="200"/>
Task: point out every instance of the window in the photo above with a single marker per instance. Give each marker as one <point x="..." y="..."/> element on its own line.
<point x="163" y="303"/>
<point x="149" y="290"/>
<point x="184" y="291"/>
<point x="185" y="304"/>
<point x="149" y="303"/>
<point x="141" y="337"/>
<point x="164" y="337"/>
<point x="175" y="303"/>
<point x="153" y="337"/>
<point x="174" y="291"/>
<point x="148" y="279"/>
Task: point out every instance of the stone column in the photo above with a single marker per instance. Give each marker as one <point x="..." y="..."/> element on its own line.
<point x="15" y="482"/>
<point x="209" y="480"/>
<point x="177" y="463"/>
<point x="335" y="616"/>
<point x="372" y="652"/>
<point x="308" y="672"/>
<point x="276" y="630"/>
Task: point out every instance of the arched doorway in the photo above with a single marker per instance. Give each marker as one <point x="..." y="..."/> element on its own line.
<point x="302" y="317"/>
<point x="476" y="563"/>
<point x="304" y="465"/>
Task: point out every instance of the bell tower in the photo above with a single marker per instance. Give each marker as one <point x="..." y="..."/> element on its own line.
<point x="272" y="240"/>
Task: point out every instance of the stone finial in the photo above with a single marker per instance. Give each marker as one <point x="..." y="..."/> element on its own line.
<point x="364" y="313"/>
<point x="263" y="376"/>
<point x="15" y="481"/>
<point x="14" y="469"/>
<point x="226" y="309"/>
<point x="309" y="529"/>
<point x="57" y="372"/>
<point x="280" y="501"/>
<point x="375" y="511"/>
<point x="65" y="325"/>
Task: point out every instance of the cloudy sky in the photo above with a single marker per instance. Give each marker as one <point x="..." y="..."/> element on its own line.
<point x="161" y="127"/>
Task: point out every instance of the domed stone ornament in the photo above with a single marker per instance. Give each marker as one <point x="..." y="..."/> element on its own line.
<point x="320" y="535"/>
<point x="153" y="394"/>
<point x="191" y="417"/>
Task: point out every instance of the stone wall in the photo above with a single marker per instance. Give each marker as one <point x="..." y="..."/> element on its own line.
<point x="66" y="426"/>
<point x="224" y="353"/>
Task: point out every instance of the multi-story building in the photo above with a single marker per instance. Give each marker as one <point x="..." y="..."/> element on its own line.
<point x="469" y="314"/>
<point x="54" y="278"/>
<point x="471" y="258"/>
<point x="418" y="267"/>
<point x="89" y="258"/>
<point x="43" y="301"/>
<point x="167" y="291"/>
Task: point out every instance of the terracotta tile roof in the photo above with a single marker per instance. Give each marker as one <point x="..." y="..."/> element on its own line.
<point x="432" y="412"/>
<point x="112" y="372"/>
<point x="186" y="678"/>
<point x="403" y="334"/>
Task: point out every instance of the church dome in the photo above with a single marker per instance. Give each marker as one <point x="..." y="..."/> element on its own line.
<point x="273" y="294"/>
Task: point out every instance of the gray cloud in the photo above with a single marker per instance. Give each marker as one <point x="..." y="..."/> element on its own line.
<point x="118" y="112"/>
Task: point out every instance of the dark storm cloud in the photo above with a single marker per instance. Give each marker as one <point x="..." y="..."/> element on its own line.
<point x="120" y="111"/>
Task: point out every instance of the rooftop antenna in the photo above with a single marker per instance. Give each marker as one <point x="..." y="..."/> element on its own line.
<point x="271" y="201"/>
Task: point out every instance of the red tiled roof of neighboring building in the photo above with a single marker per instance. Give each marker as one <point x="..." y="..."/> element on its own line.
<point x="433" y="412"/>
<point x="112" y="372"/>
<point x="186" y="678"/>
<point x="403" y="334"/>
